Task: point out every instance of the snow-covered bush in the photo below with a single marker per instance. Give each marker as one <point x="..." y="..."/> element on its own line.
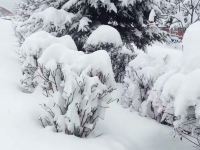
<point x="174" y="95"/>
<point x="50" y="20"/>
<point x="177" y="99"/>
<point x="184" y="85"/>
<point x="84" y="83"/>
<point x="32" y="49"/>
<point x="144" y="71"/>
<point x="108" y="38"/>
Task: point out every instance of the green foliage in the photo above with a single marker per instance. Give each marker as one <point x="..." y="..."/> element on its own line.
<point x="130" y="18"/>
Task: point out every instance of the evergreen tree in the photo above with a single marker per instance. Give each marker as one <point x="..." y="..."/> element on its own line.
<point x="129" y="17"/>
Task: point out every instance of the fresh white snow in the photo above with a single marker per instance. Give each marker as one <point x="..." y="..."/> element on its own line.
<point x="169" y="79"/>
<point x="21" y="130"/>
<point x="37" y="42"/>
<point x="152" y="16"/>
<point x="104" y="34"/>
<point x="191" y="48"/>
<point x="54" y="16"/>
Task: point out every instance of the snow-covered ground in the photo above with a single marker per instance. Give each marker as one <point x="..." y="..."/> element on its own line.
<point x="21" y="130"/>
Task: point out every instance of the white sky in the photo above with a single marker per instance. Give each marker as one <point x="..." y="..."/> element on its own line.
<point x="8" y="4"/>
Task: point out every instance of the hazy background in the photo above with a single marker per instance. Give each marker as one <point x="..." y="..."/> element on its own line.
<point x="8" y="4"/>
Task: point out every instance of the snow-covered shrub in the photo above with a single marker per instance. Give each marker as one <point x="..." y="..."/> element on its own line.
<point x="143" y="72"/>
<point x="162" y="108"/>
<point x="84" y="83"/>
<point x="50" y="20"/>
<point x="187" y="96"/>
<point x="108" y="38"/>
<point x="174" y="96"/>
<point x="32" y="49"/>
<point x="178" y="97"/>
<point x="183" y="87"/>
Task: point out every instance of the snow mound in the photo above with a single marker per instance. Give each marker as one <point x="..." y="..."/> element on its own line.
<point x="191" y="38"/>
<point x="191" y="48"/>
<point x="105" y="34"/>
<point x="39" y="41"/>
<point x="78" y="61"/>
<point x="188" y="93"/>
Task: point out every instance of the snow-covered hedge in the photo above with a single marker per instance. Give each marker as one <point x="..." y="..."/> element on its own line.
<point x="164" y="84"/>
<point x="84" y="83"/>
<point x="108" y="38"/>
<point x="31" y="50"/>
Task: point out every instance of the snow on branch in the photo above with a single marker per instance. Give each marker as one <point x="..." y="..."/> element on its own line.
<point x="84" y="82"/>
<point x="32" y="49"/>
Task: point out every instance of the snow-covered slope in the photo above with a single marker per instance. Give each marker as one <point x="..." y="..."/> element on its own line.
<point x="20" y="128"/>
